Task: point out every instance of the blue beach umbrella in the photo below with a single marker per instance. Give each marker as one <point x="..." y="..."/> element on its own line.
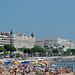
<point x="10" y="67"/>
<point x="53" y="65"/>
<point x="8" y="62"/>
<point x="57" y="66"/>
<point x="50" y="67"/>
<point x="39" y="68"/>
<point x="25" y="62"/>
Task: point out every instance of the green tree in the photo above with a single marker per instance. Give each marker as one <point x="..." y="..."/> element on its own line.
<point x="50" y="53"/>
<point x="10" y="48"/>
<point x="46" y="47"/>
<point x="73" y="51"/>
<point x="27" y="50"/>
<point x="55" y="51"/>
<point x="38" y="49"/>
<point x="2" y="49"/>
<point x="51" y="47"/>
<point x="66" y="52"/>
<point x="21" y="49"/>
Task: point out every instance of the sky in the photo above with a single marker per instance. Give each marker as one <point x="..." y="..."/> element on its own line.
<point x="46" y="18"/>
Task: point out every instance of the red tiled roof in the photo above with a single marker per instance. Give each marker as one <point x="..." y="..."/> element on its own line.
<point x="4" y="33"/>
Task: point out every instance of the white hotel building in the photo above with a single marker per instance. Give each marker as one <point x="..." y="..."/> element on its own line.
<point x="56" y="43"/>
<point x="18" y="40"/>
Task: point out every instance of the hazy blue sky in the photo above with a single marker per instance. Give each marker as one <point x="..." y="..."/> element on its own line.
<point x="46" y="18"/>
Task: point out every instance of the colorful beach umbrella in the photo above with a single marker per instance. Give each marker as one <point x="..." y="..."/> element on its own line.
<point x="10" y="67"/>
<point x="33" y="62"/>
<point x="25" y="62"/>
<point x="19" y="62"/>
<point x="41" y="63"/>
<point x="53" y="65"/>
<point x="39" y="68"/>
<point x="57" y="66"/>
<point x="1" y="62"/>
<point x="44" y="62"/>
<point x="38" y="65"/>
<point x="14" y="62"/>
<point x="8" y="62"/>
<point x="50" y="67"/>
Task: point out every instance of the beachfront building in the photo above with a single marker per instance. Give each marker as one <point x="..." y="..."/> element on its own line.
<point x="56" y="43"/>
<point x="21" y="40"/>
<point x="4" y="39"/>
<point x="17" y="40"/>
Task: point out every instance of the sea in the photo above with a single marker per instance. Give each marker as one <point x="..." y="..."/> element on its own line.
<point x="66" y="63"/>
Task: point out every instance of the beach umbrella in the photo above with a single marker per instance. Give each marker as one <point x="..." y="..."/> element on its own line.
<point x="10" y="67"/>
<point x="8" y="62"/>
<point x="19" y="62"/>
<point x="33" y="62"/>
<point x="25" y="62"/>
<point x="57" y="66"/>
<point x="44" y="62"/>
<point x="14" y="62"/>
<point x="50" y="67"/>
<point x="38" y="65"/>
<point x="1" y="62"/>
<point x="39" y="68"/>
<point x="41" y="63"/>
<point x="53" y="65"/>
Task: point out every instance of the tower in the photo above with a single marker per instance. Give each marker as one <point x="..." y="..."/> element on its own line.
<point x="12" y="31"/>
<point x="12" y="37"/>
<point x="32" y="35"/>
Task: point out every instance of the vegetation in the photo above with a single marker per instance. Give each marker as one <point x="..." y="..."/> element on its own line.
<point x="10" y="48"/>
<point x="55" y="51"/>
<point x="27" y="50"/>
<point x="50" y="53"/>
<point x="2" y="49"/>
<point x="37" y="50"/>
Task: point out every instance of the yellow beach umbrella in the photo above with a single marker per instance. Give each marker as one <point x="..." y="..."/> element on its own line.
<point x="38" y="65"/>
<point x="1" y="62"/>
<point x="33" y="62"/>
<point x="19" y="62"/>
<point x="41" y="63"/>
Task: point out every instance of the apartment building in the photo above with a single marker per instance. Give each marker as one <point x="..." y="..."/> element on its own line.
<point x="56" y="43"/>
<point x="4" y="39"/>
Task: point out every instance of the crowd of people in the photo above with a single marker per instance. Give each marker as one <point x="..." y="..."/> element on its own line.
<point x="39" y="68"/>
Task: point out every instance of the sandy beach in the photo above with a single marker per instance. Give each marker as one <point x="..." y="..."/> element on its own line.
<point x="33" y="67"/>
<point x="68" y="74"/>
